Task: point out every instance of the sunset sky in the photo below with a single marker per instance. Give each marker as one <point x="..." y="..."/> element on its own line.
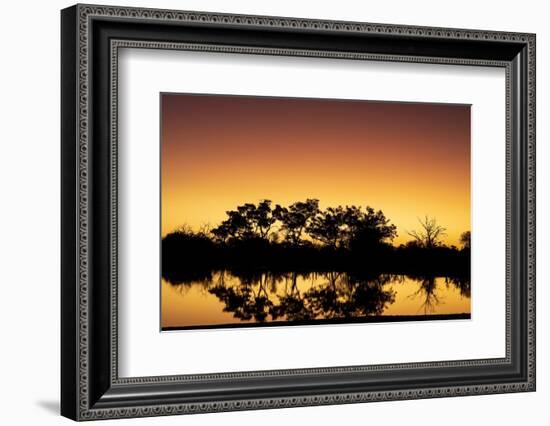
<point x="407" y="159"/>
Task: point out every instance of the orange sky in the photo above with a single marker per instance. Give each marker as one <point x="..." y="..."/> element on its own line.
<point x="407" y="159"/>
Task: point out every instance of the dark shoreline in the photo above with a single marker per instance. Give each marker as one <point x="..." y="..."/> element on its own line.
<point x="188" y="256"/>
<point x="363" y="320"/>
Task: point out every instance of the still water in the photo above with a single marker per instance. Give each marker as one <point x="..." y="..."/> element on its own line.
<point x="223" y="298"/>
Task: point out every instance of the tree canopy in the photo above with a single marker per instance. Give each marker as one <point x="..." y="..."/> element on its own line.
<point x="305" y="221"/>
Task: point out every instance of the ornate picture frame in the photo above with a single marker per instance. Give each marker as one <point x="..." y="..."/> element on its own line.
<point x="91" y="37"/>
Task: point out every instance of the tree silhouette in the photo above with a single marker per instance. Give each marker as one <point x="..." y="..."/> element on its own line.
<point x="465" y="239"/>
<point x="248" y="221"/>
<point x="235" y="226"/>
<point x="296" y="218"/>
<point x="368" y="229"/>
<point x="429" y="236"/>
<point x="328" y="226"/>
<point x="350" y="226"/>
<point x="261" y="218"/>
<point x="184" y="248"/>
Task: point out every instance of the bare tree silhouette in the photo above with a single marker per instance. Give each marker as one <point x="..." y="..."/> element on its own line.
<point x="429" y="236"/>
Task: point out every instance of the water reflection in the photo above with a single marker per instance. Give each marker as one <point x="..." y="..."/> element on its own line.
<point x="224" y="298"/>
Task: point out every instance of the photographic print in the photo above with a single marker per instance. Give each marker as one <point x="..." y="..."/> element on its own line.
<point x="298" y="211"/>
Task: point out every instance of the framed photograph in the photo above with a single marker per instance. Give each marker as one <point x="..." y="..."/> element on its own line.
<point x="263" y="212"/>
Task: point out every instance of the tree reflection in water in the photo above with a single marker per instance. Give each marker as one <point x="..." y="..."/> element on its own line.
<point x="426" y="292"/>
<point x="305" y="296"/>
<point x="338" y="295"/>
<point x="461" y="283"/>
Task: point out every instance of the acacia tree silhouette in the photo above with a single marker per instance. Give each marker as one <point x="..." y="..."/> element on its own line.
<point x="296" y="218"/>
<point x="368" y="229"/>
<point x="351" y="227"/>
<point x="248" y="221"/>
<point x="328" y="226"/>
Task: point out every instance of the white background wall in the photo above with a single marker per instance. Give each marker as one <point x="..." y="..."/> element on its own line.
<point x="29" y="212"/>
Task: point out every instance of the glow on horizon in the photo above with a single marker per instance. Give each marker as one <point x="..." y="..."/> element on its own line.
<point x="408" y="160"/>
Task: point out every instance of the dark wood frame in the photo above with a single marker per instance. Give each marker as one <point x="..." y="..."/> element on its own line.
<point x="90" y="386"/>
